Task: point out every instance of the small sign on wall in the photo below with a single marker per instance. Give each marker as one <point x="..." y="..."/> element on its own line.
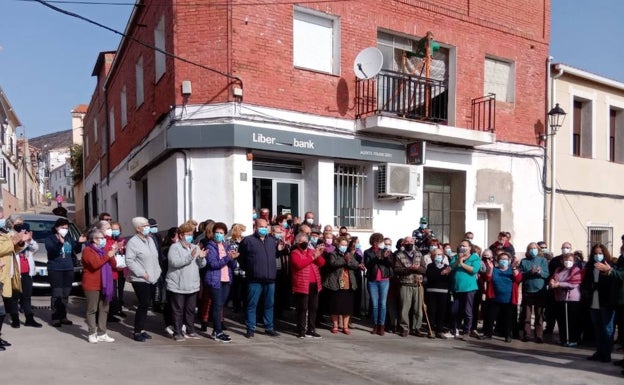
<point x="415" y="153"/>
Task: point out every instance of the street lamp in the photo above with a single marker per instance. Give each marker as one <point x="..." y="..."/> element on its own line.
<point x="556" y="117"/>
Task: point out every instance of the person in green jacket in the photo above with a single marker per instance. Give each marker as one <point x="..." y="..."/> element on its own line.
<point x="465" y="267"/>
<point x="535" y="273"/>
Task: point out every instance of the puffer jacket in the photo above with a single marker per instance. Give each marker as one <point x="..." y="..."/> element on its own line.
<point x="215" y="264"/>
<point x="302" y="263"/>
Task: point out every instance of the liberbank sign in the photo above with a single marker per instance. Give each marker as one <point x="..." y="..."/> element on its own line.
<point x="234" y="135"/>
<point x="259" y="138"/>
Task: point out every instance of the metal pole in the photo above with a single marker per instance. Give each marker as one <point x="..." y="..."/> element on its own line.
<point x="553" y="186"/>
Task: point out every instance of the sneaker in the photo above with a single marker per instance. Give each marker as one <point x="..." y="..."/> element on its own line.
<point x="313" y="334"/>
<point x="178" y="337"/>
<point x="183" y="329"/>
<point x="4" y="343"/>
<point x="271" y="333"/>
<point x="169" y="330"/>
<point x="442" y="336"/>
<point x="507" y="339"/>
<point x="475" y="334"/>
<point x="192" y="336"/>
<point x="105" y="338"/>
<point x="249" y="334"/>
<point x="146" y="336"/>
<point x="139" y="337"/>
<point x="302" y="336"/>
<point x="65" y="321"/>
<point x="222" y="337"/>
<point x="93" y="339"/>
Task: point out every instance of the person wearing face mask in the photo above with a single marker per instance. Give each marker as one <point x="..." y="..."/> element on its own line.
<point x="306" y="284"/>
<point x="423" y="235"/>
<point x="97" y="283"/>
<point x="503" y="244"/>
<point x="182" y="279"/>
<point x="142" y="261"/>
<point x="534" y="269"/>
<point x="314" y="236"/>
<point x="379" y="270"/>
<point x="119" y="273"/>
<point x="283" y="299"/>
<point x="409" y="268"/>
<point x="600" y="292"/>
<point x="438" y="281"/>
<point x="502" y="295"/>
<point x="258" y="253"/>
<point x="554" y="263"/>
<point x="25" y="266"/>
<point x="465" y="266"/>
<point x="340" y="283"/>
<point x="565" y="284"/>
<point x="60" y="249"/>
<point x="104" y="227"/>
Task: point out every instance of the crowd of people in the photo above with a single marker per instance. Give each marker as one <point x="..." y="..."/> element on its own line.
<point x="417" y="286"/>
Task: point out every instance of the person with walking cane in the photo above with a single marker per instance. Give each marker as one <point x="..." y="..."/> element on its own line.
<point x="410" y="269"/>
<point x="565" y="283"/>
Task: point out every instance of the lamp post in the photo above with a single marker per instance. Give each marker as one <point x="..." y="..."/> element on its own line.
<point x="556" y="116"/>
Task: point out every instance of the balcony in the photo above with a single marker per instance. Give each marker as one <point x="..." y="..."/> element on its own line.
<point x="416" y="107"/>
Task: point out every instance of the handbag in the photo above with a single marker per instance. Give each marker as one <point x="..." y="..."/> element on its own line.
<point x="16" y="279"/>
<point x="120" y="261"/>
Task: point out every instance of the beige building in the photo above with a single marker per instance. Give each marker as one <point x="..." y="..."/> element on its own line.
<point x="78" y="114"/>
<point x="588" y="204"/>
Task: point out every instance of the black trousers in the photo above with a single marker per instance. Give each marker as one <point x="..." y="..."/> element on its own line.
<point x="307" y="306"/>
<point x="144" y="292"/>
<point x="568" y="331"/>
<point x="494" y="309"/>
<point x="61" y="285"/>
<point x="23" y="298"/>
<point x="437" y="303"/>
<point x="183" y="311"/>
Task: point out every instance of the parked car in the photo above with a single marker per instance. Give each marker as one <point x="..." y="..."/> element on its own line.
<point x="41" y="226"/>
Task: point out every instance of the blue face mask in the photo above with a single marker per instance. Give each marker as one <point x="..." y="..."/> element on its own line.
<point x="263" y="231"/>
<point x="342" y="249"/>
<point x="533" y="252"/>
<point x="504" y="263"/>
<point x="153" y="230"/>
<point x="2" y="222"/>
<point x="218" y="237"/>
<point x="102" y="243"/>
<point x="599" y="257"/>
<point x="438" y="259"/>
<point x="188" y="238"/>
<point x="423" y="226"/>
<point x="313" y="241"/>
<point x="146" y="231"/>
<point x="285" y="224"/>
<point x="358" y="246"/>
<point x="255" y="216"/>
<point x="116" y="233"/>
<point x="277" y="236"/>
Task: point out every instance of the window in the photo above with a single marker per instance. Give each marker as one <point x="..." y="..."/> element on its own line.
<point x="616" y="135"/>
<point x="349" y="210"/>
<point x="123" y="108"/>
<point x="111" y="122"/>
<point x="600" y="235"/>
<point x="582" y="129"/>
<point x="316" y="41"/>
<point x="437" y="203"/>
<point x="159" y="43"/>
<point x="499" y="79"/>
<point x="138" y="74"/>
<point x="95" y="130"/>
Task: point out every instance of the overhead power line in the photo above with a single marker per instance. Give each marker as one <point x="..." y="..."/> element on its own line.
<point x="198" y="4"/>
<point x="140" y="42"/>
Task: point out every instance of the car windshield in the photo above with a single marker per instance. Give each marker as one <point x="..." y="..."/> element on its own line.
<point x="42" y="229"/>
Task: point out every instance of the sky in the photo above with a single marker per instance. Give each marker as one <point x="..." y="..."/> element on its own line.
<point x="46" y="58"/>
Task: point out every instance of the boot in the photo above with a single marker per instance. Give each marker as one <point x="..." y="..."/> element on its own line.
<point x="381" y="330"/>
<point x="30" y="321"/>
<point x="374" y="331"/>
<point x="204" y="327"/>
<point x="15" y="322"/>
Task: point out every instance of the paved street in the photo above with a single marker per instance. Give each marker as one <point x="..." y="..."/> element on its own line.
<point x="63" y="356"/>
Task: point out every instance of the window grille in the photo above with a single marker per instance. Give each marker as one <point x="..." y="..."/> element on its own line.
<point x="600" y="235"/>
<point x="349" y="187"/>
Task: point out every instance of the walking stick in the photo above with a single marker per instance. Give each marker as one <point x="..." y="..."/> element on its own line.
<point x="424" y="307"/>
<point x="565" y="305"/>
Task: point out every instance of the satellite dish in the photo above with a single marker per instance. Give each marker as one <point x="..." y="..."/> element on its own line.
<point x="368" y="63"/>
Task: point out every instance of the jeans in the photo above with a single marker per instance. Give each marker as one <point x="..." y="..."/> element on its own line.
<point x="143" y="291"/>
<point x="462" y="310"/>
<point x="218" y="297"/>
<point x="183" y="311"/>
<point x="61" y="285"/>
<point x="254" y="291"/>
<point x="378" y="291"/>
<point x="602" y="319"/>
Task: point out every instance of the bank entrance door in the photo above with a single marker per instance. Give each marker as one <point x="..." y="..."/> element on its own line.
<point x="281" y="196"/>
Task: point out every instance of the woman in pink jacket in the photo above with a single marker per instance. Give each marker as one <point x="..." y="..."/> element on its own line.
<point x="306" y="283"/>
<point x="565" y="282"/>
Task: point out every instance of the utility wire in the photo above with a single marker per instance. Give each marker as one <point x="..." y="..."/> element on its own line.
<point x="72" y="14"/>
<point x="224" y="4"/>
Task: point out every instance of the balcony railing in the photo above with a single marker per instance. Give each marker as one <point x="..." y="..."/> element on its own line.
<point x="404" y="95"/>
<point x="484" y="113"/>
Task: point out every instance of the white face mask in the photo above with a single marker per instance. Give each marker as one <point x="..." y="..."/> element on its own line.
<point x="565" y="250"/>
<point x="108" y="232"/>
<point x="381" y="245"/>
<point x="63" y="232"/>
<point x="568" y="264"/>
<point x="310" y="221"/>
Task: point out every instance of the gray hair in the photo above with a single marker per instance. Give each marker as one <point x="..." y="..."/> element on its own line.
<point x="301" y="235"/>
<point x="100" y="225"/>
<point x="93" y="232"/>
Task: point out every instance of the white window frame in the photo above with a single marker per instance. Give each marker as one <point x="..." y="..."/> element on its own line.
<point x="140" y="86"/>
<point x="123" y="107"/>
<point x="490" y="86"/>
<point x="304" y="41"/>
<point x="111" y="122"/>
<point x="160" y="62"/>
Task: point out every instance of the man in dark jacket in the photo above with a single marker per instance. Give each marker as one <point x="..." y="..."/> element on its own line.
<point x="257" y="258"/>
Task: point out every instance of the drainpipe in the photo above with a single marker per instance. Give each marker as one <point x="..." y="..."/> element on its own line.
<point x="188" y="204"/>
<point x="545" y="137"/>
<point x="553" y="161"/>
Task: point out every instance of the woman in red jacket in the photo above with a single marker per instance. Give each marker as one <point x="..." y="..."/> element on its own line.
<point x="306" y="283"/>
<point x="97" y="283"/>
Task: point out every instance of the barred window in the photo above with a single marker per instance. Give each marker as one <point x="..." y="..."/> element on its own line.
<point x="600" y="235"/>
<point x="349" y="185"/>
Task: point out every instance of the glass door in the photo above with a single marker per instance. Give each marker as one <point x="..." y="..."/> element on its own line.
<point x="286" y="197"/>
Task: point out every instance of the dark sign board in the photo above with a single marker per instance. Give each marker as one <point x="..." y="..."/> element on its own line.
<point x="416" y="153"/>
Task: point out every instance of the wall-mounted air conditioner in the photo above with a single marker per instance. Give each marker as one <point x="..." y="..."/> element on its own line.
<point x="398" y="181"/>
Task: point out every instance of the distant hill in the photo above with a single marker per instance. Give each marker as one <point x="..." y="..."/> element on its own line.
<point x="61" y="139"/>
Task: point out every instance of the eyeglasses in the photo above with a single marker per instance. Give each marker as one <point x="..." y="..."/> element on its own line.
<point x="107" y="219"/>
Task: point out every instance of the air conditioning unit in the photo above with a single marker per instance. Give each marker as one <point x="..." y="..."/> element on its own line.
<point x="398" y="181"/>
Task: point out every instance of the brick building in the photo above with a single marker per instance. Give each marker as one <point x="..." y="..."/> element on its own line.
<point x="272" y="107"/>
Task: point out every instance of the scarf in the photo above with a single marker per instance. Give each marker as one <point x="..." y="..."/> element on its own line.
<point x="107" y="275"/>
